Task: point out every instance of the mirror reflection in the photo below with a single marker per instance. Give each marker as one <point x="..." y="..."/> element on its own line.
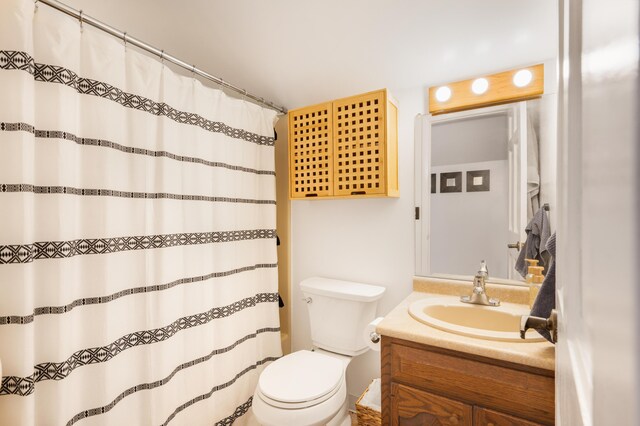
<point x="484" y="174"/>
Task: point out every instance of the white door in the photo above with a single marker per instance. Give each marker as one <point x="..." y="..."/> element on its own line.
<point x="517" y="159"/>
<point x="597" y="355"/>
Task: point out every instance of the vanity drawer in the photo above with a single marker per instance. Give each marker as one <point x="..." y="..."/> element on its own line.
<point x="484" y="417"/>
<point x="474" y="380"/>
<point x="413" y="407"/>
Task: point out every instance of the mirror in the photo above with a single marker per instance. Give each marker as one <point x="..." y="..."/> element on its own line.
<point x="480" y="176"/>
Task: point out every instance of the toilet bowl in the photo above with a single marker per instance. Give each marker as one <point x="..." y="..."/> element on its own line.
<point x="309" y="388"/>
<point x="303" y="388"/>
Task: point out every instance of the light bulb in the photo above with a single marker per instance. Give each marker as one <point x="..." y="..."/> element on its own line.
<point x="522" y="78"/>
<point x="443" y="94"/>
<point x="479" y="86"/>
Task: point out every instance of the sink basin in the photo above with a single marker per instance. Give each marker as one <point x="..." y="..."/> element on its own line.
<point x="483" y="322"/>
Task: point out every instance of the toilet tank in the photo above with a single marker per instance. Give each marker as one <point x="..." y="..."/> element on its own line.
<point x="339" y="311"/>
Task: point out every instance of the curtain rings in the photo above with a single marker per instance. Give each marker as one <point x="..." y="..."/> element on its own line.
<point x="124" y="39"/>
<point x="193" y="72"/>
<point x="81" y="21"/>
<point x="162" y="57"/>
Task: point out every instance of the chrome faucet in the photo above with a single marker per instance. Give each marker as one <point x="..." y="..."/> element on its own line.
<point x="479" y="294"/>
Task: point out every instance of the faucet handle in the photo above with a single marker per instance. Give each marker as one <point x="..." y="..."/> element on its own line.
<point x="550" y="324"/>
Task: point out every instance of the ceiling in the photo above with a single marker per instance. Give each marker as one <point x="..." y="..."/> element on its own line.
<point x="300" y="52"/>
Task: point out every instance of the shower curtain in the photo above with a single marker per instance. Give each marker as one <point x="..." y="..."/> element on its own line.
<point x="138" y="280"/>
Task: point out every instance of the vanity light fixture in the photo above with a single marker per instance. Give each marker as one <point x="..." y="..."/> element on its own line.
<point x="443" y="94"/>
<point x="522" y="78"/>
<point x="480" y="85"/>
<point x="513" y="85"/>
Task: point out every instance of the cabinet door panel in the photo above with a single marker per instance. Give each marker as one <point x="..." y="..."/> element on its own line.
<point x="359" y="135"/>
<point x="311" y="151"/>
<point x="411" y="407"/>
<point x="484" y="417"/>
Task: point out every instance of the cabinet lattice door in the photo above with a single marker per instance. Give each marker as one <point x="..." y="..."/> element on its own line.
<point x="345" y="148"/>
<point x="310" y="151"/>
<point x="359" y="131"/>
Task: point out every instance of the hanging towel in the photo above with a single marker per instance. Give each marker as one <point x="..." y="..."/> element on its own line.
<point x="546" y="299"/>
<point x="538" y="231"/>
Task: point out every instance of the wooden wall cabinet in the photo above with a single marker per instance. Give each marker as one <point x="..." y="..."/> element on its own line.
<point x="345" y="148"/>
<point x="425" y="385"/>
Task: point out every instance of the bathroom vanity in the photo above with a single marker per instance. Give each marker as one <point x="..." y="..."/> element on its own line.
<point x="436" y="377"/>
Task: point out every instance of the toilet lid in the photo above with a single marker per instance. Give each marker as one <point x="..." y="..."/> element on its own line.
<point x="301" y="376"/>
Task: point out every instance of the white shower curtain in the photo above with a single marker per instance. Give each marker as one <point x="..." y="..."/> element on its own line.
<point x="138" y="280"/>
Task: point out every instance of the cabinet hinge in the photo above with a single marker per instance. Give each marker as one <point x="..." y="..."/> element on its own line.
<point x="417" y="213"/>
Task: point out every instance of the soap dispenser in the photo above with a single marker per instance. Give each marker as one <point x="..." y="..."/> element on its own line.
<point x="534" y="279"/>
<point x="529" y="277"/>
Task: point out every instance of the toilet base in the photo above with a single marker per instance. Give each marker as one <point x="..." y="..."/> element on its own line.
<point x="342" y="418"/>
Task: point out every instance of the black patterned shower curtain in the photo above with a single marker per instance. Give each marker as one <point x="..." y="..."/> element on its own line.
<point x="138" y="279"/>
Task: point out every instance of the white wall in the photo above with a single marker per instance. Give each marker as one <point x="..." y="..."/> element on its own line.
<point x="366" y="240"/>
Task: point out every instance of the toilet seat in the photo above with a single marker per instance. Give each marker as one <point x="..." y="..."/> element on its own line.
<point x="319" y="414"/>
<point x="301" y="379"/>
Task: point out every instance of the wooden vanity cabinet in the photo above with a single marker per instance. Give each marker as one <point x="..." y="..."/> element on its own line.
<point x="426" y="385"/>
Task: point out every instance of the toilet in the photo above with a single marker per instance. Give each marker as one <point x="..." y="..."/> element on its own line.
<point x="309" y="387"/>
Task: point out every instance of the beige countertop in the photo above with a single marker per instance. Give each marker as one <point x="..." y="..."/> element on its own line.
<point x="398" y="323"/>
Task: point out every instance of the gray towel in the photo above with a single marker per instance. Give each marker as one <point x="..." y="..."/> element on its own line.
<point x="538" y="232"/>
<point x="546" y="299"/>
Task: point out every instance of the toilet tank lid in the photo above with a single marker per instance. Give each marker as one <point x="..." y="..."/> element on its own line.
<point x="340" y="289"/>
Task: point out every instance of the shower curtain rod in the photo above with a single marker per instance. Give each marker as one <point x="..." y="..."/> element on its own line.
<point x="146" y="47"/>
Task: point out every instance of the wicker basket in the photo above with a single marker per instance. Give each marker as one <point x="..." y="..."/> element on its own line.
<point x="368" y="416"/>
